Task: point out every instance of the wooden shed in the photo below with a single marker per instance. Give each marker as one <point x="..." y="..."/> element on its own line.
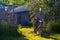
<point x="20" y="15"/>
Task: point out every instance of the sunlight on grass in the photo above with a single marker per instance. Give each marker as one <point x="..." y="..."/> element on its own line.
<point x="31" y="36"/>
<point x="56" y="36"/>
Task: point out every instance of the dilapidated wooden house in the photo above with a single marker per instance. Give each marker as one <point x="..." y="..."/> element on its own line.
<point x="4" y="11"/>
<point x="14" y="15"/>
<point x="19" y="15"/>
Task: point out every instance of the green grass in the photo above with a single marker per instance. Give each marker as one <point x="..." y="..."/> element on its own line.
<point x="55" y="36"/>
<point x="27" y="34"/>
<point x="32" y="36"/>
<point x="7" y="37"/>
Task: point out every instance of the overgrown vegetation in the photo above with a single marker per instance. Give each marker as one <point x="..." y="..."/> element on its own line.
<point x="13" y="2"/>
<point x="8" y="32"/>
<point x="53" y="26"/>
<point x="28" y="32"/>
<point x="7" y="29"/>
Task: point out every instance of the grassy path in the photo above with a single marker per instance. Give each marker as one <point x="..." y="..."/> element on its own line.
<point x="27" y="32"/>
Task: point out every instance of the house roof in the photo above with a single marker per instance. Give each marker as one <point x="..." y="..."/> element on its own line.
<point x="21" y="9"/>
<point x="2" y="3"/>
<point x="4" y="6"/>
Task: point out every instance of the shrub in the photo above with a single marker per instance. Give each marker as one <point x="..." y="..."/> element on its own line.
<point x="53" y="26"/>
<point x="7" y="29"/>
<point x="3" y="27"/>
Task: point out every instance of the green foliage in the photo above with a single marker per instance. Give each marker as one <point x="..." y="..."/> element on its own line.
<point x="14" y="2"/>
<point x="35" y="5"/>
<point x="53" y="26"/>
<point x="7" y="29"/>
<point x="8" y="32"/>
<point x="19" y="2"/>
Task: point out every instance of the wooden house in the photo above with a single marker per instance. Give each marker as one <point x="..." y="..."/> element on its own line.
<point x="20" y="15"/>
<point x="16" y="15"/>
<point x="4" y="11"/>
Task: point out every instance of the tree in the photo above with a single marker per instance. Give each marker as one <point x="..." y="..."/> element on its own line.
<point x="14" y="2"/>
<point x="35" y="5"/>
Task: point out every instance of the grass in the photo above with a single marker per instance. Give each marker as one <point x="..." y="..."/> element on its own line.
<point x="31" y="36"/>
<point x="8" y="37"/>
<point x="26" y="34"/>
<point x="55" y="36"/>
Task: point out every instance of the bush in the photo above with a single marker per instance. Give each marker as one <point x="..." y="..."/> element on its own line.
<point x="53" y="26"/>
<point x="7" y="29"/>
<point x="3" y="27"/>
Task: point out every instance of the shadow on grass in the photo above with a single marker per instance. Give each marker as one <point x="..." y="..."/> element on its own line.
<point x="47" y="35"/>
<point x="26" y="25"/>
<point x="10" y="37"/>
<point x="11" y="33"/>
